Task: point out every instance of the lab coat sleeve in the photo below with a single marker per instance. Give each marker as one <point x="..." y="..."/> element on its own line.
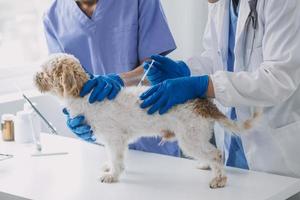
<point x="155" y="36"/>
<point x="202" y="63"/>
<point x="52" y="41"/>
<point x="277" y="78"/>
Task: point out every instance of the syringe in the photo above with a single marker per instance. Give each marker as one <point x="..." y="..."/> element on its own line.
<point x="143" y="78"/>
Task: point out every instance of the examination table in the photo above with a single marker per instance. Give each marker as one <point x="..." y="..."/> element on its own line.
<point x="75" y="176"/>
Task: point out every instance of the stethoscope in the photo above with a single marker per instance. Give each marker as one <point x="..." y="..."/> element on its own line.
<point x="252" y="19"/>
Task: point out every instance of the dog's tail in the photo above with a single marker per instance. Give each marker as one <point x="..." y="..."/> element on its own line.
<point x="240" y="127"/>
<point x="207" y="109"/>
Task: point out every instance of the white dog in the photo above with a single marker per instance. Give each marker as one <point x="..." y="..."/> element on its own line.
<point x="121" y="121"/>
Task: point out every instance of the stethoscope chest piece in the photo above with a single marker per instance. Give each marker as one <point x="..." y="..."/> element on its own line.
<point x="252" y="17"/>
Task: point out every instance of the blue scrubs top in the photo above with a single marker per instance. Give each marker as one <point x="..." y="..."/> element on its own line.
<point x="233" y="143"/>
<point x="119" y="35"/>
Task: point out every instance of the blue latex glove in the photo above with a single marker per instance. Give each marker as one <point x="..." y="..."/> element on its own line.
<point x="79" y="127"/>
<point x="165" y="68"/>
<point x="102" y="86"/>
<point x="172" y="92"/>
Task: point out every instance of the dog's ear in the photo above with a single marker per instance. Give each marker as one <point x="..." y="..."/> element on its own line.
<point x="73" y="79"/>
<point x="69" y="82"/>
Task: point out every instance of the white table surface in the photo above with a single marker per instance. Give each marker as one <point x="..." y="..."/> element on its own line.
<point x="148" y="176"/>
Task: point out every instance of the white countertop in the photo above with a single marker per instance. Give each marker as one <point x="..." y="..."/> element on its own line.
<point x="75" y="176"/>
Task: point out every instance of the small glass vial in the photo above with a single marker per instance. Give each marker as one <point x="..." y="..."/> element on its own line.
<point x="7" y="127"/>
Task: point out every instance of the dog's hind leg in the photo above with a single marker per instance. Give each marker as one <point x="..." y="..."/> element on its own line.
<point x="116" y="150"/>
<point x="205" y="152"/>
<point x="214" y="157"/>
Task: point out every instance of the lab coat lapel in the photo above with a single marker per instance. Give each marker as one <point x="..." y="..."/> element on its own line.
<point x="222" y="31"/>
<point x="240" y="39"/>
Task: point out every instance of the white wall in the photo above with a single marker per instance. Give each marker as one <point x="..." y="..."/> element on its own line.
<point x="22" y="42"/>
<point x="187" y="19"/>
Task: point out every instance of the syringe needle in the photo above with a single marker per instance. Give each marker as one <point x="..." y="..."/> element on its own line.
<point x="143" y="78"/>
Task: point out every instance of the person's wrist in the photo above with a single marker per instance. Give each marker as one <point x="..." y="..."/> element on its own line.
<point x="202" y="85"/>
<point x="210" y="89"/>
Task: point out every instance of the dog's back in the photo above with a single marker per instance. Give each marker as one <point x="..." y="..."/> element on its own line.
<point x="125" y="113"/>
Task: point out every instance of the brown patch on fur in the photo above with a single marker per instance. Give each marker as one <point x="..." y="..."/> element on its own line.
<point x="73" y="80"/>
<point x="248" y="124"/>
<point x="257" y="114"/>
<point x="206" y="108"/>
<point x="218" y="157"/>
<point x="167" y="134"/>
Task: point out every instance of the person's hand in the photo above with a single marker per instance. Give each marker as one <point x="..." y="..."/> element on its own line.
<point x="172" y="92"/>
<point x="79" y="127"/>
<point x="165" y="68"/>
<point x="102" y="86"/>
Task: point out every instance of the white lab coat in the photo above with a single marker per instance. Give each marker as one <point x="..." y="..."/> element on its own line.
<point x="268" y="77"/>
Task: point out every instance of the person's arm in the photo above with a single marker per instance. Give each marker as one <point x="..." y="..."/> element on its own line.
<point x="132" y="78"/>
<point x="277" y="78"/>
<point x="154" y="38"/>
<point x="154" y="33"/>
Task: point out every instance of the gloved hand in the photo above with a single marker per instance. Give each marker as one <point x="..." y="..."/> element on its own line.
<point x="165" y="68"/>
<point x="78" y="126"/>
<point x="173" y="92"/>
<point x="102" y="86"/>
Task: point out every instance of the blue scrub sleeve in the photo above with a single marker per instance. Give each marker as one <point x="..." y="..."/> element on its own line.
<point x="151" y="144"/>
<point x="52" y="42"/>
<point x="155" y="36"/>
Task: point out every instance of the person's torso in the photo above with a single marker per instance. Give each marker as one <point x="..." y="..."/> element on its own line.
<point x="273" y="145"/>
<point x="106" y="42"/>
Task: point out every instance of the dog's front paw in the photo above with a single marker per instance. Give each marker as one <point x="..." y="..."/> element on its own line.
<point x="108" y="178"/>
<point x="218" y="182"/>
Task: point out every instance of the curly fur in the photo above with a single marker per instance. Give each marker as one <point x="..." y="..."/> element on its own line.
<point x="121" y="121"/>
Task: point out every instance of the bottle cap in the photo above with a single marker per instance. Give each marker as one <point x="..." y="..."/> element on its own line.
<point x="23" y="114"/>
<point x="7" y="117"/>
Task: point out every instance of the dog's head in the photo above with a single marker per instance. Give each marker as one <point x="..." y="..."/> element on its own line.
<point x="61" y="75"/>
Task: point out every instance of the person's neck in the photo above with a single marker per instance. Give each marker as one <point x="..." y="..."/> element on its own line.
<point x="88" y="7"/>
